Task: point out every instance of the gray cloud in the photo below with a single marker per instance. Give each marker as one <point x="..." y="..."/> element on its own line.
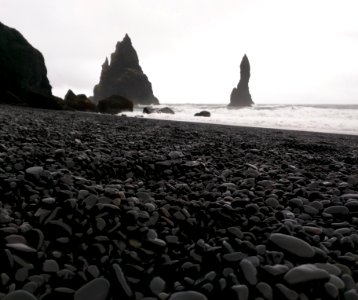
<point x="191" y="50"/>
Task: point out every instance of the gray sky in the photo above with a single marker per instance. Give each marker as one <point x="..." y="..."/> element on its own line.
<point x="303" y="51"/>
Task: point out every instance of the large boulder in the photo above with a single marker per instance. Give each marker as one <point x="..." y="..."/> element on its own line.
<point x="124" y="76"/>
<point x="164" y="110"/>
<point x="79" y="102"/>
<point x="23" y="74"/>
<point x="148" y="110"/>
<point x="114" y="105"/>
<point x="240" y="96"/>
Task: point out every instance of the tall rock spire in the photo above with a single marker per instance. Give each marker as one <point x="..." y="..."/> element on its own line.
<point x="240" y="96"/>
<point x="124" y="76"/>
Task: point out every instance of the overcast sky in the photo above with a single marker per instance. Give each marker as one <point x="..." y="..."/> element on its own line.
<point x="303" y="51"/>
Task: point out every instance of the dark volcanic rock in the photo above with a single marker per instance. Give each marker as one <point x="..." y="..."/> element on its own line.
<point x="164" y="110"/>
<point x="23" y="74"/>
<point x="292" y="245"/>
<point x="306" y="273"/>
<point x="96" y="289"/>
<point x="148" y="110"/>
<point x="240" y="96"/>
<point x="152" y="209"/>
<point x="189" y="295"/>
<point x="20" y="294"/>
<point x="114" y="105"/>
<point x="78" y="102"/>
<point x="124" y="76"/>
<point x="203" y="113"/>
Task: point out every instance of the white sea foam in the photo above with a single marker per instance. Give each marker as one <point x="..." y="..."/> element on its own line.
<point x="319" y="118"/>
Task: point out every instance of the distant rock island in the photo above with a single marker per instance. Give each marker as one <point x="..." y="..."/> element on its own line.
<point x="124" y="76"/>
<point x="240" y="96"/>
<point x="23" y="74"/>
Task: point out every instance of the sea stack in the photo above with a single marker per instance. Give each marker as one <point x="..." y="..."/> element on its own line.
<point x="240" y="96"/>
<point x="123" y="76"/>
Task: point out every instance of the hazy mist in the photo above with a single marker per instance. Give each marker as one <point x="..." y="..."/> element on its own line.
<point x="300" y="51"/>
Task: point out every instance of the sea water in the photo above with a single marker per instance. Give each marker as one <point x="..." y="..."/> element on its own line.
<point x="317" y="118"/>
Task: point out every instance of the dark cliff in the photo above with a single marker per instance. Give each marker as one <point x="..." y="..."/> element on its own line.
<point x="21" y="65"/>
<point x="23" y="73"/>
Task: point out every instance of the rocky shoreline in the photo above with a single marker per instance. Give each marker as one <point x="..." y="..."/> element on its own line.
<point x="104" y="207"/>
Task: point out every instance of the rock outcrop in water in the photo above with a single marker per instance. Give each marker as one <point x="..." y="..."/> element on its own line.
<point x="124" y="76"/>
<point x="23" y="73"/>
<point x="114" y="104"/>
<point x="203" y="113"/>
<point x="79" y="102"/>
<point x="240" y="96"/>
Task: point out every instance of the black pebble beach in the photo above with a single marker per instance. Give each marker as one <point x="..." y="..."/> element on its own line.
<point x="96" y="207"/>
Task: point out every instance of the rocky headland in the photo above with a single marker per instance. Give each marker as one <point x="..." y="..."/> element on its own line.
<point x="105" y="207"/>
<point x="123" y="76"/>
<point x="240" y="95"/>
<point x="23" y="74"/>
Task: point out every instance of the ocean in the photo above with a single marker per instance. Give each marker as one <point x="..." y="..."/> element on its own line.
<point x="341" y="119"/>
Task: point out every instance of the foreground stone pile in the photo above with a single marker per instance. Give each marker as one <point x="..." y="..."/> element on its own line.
<point x="104" y="207"/>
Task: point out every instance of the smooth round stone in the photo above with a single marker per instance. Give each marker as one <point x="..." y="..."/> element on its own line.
<point x="236" y="232"/>
<point x="100" y="224"/>
<point x="265" y="290"/>
<point x="121" y="279"/>
<point x="158" y="242"/>
<point x="272" y="202"/>
<point x="331" y="290"/>
<point x="150" y="207"/>
<point x="97" y="289"/>
<point x="234" y="257"/>
<point x="337" y="282"/>
<point x="48" y="200"/>
<point x="306" y="273"/>
<point x="188" y="295"/>
<point x="152" y="234"/>
<point x="276" y="270"/>
<point x="292" y="245"/>
<point x="351" y="295"/>
<point x="175" y="154"/>
<point x="60" y="152"/>
<point x="22" y="274"/>
<point x="21" y="247"/>
<point x="249" y="270"/>
<point x="242" y="291"/>
<point x="337" y="210"/>
<point x="288" y="293"/>
<point x="330" y="268"/>
<point x="93" y="270"/>
<point x="157" y="285"/>
<point x="34" y="171"/>
<point x="296" y="202"/>
<point x="143" y="196"/>
<point x="15" y="239"/>
<point x="19" y="295"/>
<point x="348" y="281"/>
<point x="350" y="196"/>
<point x="310" y="210"/>
<point x="30" y="287"/>
<point x="50" y="266"/>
